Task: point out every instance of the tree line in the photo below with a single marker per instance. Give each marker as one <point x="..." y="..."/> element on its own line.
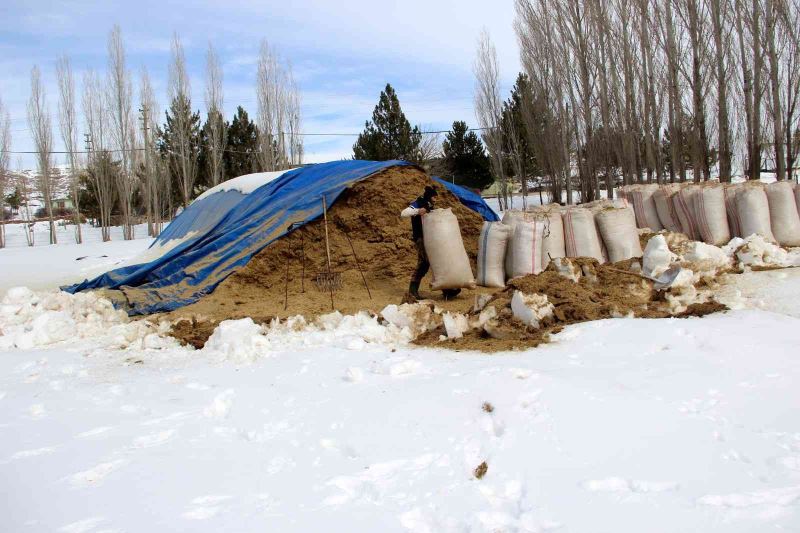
<point x="130" y="166"/>
<point x="629" y="91"/>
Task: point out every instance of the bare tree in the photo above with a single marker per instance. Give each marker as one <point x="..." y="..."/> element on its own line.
<point x="119" y="96"/>
<point x="42" y="132"/>
<point x="69" y="134"/>
<point x="5" y="147"/>
<point x="100" y="164"/>
<point x="488" y="110"/>
<point x="152" y="184"/>
<point x="216" y="122"/>
<point x="184" y="160"/>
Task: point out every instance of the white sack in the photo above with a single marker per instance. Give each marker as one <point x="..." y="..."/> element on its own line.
<point x="730" y="208"/>
<point x="753" y="209"/>
<point x="666" y="211"/>
<point x="445" y="249"/>
<point x="712" y="218"/>
<point x="553" y="238"/>
<point x="511" y="218"/>
<point x="618" y="230"/>
<point x="683" y="201"/>
<point x="783" y="215"/>
<point x="580" y="234"/>
<point x="492" y="246"/>
<point x="644" y="206"/>
<point x="526" y="249"/>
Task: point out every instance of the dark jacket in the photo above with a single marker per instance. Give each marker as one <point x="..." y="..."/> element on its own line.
<point x="416" y="220"/>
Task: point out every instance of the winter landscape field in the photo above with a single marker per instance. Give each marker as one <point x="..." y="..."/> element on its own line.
<point x="617" y="425"/>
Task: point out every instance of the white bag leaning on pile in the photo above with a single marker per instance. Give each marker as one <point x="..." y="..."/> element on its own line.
<point x="446" y="252"/>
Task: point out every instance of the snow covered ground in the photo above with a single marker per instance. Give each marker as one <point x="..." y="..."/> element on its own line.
<point x="622" y="425"/>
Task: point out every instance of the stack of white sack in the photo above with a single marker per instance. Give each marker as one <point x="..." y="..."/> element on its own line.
<point x="445" y="249"/>
<point x="641" y="197"/>
<point x="492" y="245"/>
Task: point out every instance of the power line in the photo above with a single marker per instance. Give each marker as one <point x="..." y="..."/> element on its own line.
<point x="117" y="150"/>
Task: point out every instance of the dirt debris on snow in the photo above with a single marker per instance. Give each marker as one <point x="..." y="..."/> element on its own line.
<point x="601" y="291"/>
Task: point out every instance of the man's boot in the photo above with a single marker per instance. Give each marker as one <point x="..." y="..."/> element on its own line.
<point x="413" y="290"/>
<point x="450" y="294"/>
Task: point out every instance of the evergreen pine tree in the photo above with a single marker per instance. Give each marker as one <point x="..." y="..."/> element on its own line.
<point x="388" y="135"/>
<point x="241" y="155"/>
<point x="179" y="112"/>
<point x="14" y="200"/>
<point x="465" y="157"/>
<point x="512" y="113"/>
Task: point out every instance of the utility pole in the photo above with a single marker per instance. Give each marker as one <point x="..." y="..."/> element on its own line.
<point x="149" y="192"/>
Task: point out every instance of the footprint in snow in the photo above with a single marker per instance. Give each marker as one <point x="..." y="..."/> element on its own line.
<point x="37" y="410"/>
<point x="95" y="475"/>
<point x="205" y="507"/>
<point x="83" y="526"/>
<point x="220" y="406"/>
<point x="93" y="432"/>
<point x="155" y="439"/>
<point x="24" y="454"/>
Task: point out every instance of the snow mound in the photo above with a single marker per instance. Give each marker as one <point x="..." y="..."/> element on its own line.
<point x="757" y="251"/>
<point x="244" y="341"/>
<point x="531" y="308"/>
<point x="31" y="319"/>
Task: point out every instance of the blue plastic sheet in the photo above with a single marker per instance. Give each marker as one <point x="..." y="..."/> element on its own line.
<point x="226" y="229"/>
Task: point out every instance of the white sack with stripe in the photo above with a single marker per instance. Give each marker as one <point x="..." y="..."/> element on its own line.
<point x="683" y="200"/>
<point x="784" y="218"/>
<point x="666" y="211"/>
<point x="526" y="249"/>
<point x="734" y="223"/>
<point x="580" y="234"/>
<point x="511" y="218"/>
<point x="712" y="218"/>
<point x="445" y="249"/>
<point x="644" y="206"/>
<point x="553" y="239"/>
<point x="618" y="230"/>
<point x="492" y="246"/>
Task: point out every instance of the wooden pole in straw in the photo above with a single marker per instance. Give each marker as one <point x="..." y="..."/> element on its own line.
<point x="327" y="248"/>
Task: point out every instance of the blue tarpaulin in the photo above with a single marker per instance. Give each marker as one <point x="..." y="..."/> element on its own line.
<point x="220" y="233"/>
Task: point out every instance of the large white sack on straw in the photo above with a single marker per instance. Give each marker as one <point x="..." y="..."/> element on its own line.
<point x="683" y="200"/>
<point x="783" y="215"/>
<point x="753" y="209"/>
<point x="526" y="249"/>
<point x="618" y="230"/>
<point x="445" y="249"/>
<point x="553" y="238"/>
<point x="712" y="218"/>
<point x="510" y="218"/>
<point x="580" y="234"/>
<point x="730" y="208"/>
<point x="666" y="211"/>
<point x="644" y="206"/>
<point x="492" y="246"/>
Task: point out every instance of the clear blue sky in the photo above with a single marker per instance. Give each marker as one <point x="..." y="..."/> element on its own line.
<point x="343" y="53"/>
